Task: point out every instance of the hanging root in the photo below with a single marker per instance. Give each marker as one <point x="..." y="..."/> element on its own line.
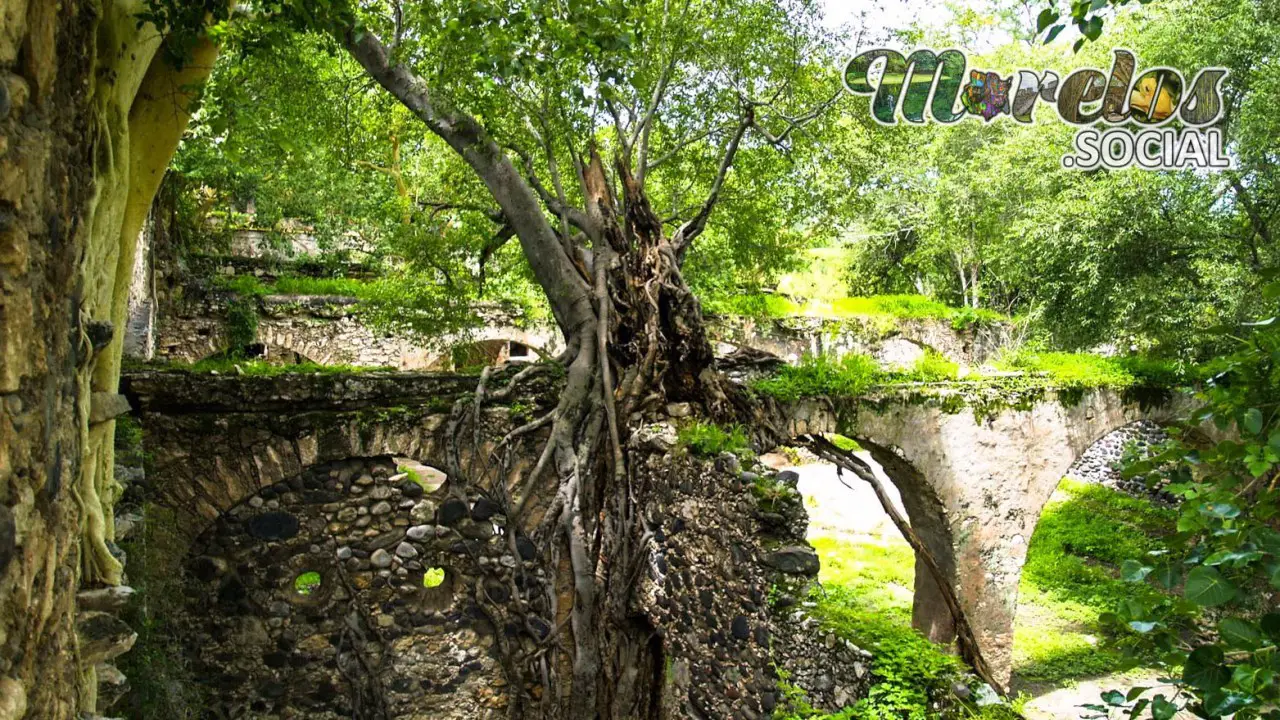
<point x="970" y="652"/>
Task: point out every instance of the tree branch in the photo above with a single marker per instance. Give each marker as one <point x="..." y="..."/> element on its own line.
<point x="694" y="227"/>
<point x="569" y="296"/>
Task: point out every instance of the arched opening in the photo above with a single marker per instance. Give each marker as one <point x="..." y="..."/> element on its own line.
<point x="1093" y="522"/>
<point x="269" y="353"/>
<point x="862" y="553"/>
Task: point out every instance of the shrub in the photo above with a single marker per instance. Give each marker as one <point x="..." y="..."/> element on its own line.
<point x="709" y="439"/>
<point x="933" y="366"/>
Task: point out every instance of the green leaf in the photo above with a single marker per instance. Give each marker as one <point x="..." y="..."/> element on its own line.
<point x="1224" y="511"/>
<point x="1113" y="697"/>
<point x="1162" y="709"/>
<point x="1047" y="17"/>
<point x="1204" y="670"/>
<point x="1167" y="574"/>
<point x="1053" y="33"/>
<point x="1142" y="627"/>
<point x="1208" y="588"/>
<point x="1134" y="571"/>
<point x="1218" y="703"/>
<point x="1093" y="28"/>
<point x="1239" y="634"/>
<point x="1253" y="420"/>
<point x="1252" y="679"/>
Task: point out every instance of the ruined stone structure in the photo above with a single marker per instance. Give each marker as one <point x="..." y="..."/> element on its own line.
<point x="317" y="519"/>
<point x="327" y="330"/>
<point x="90" y="114"/>
<point x="975" y="467"/>
<point x="190" y="325"/>
<point x="894" y="343"/>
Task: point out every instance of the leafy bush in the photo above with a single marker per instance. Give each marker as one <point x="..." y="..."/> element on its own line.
<point x="821" y="375"/>
<point x="932" y="366"/>
<point x="1223" y="563"/>
<point x="241" y="325"/>
<point x="1086" y="370"/>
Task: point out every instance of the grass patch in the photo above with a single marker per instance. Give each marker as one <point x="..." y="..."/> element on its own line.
<point x="897" y="307"/>
<point x="848" y="376"/>
<point x="932" y="366"/>
<point x="256" y="368"/>
<point x="252" y="286"/>
<point x="866" y="599"/>
<point x="1072" y="576"/>
<point x="1085" y="370"/>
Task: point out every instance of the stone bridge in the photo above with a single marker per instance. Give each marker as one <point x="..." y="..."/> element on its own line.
<point x="975" y="465"/>
<point x="333" y="570"/>
<point x="326" y="330"/>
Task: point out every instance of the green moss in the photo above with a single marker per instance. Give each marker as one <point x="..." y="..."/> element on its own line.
<point x="844" y="443"/>
<point x="162" y="683"/>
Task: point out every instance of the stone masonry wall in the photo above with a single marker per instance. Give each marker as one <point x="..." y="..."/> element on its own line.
<point x="898" y="343"/>
<point x="362" y="636"/>
<point x="277" y="477"/>
<point x="323" y="329"/>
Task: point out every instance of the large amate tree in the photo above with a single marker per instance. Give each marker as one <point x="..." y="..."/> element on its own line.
<point x="567" y="112"/>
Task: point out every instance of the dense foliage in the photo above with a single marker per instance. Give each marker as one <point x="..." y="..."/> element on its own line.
<point x="1217" y="636"/>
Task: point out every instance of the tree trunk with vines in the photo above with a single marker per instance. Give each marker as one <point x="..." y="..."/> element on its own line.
<point x="635" y="340"/>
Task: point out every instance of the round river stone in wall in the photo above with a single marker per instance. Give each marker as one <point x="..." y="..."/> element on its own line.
<point x="273" y="526"/>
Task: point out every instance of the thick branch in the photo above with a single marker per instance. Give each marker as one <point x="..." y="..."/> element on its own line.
<point x="569" y="295"/>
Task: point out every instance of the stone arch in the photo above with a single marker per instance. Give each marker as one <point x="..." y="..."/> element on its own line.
<point x="991" y="473"/>
<point x="369" y="638"/>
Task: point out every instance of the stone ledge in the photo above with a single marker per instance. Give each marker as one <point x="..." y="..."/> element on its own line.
<point x="181" y="392"/>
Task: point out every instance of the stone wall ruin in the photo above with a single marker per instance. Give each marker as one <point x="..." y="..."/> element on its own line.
<point x="276" y="478"/>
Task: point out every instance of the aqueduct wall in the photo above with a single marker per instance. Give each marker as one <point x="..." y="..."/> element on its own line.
<point x="974" y="478"/>
<point x="274" y="478"/>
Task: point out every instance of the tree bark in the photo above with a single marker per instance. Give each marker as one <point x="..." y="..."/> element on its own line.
<point x="635" y="337"/>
